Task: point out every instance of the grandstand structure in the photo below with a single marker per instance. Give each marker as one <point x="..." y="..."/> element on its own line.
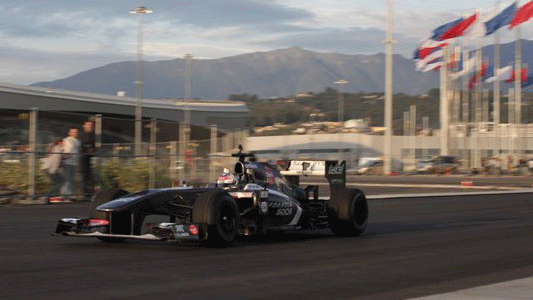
<point x="60" y="109"/>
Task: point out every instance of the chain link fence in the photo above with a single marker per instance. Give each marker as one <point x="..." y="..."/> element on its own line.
<point x="171" y="153"/>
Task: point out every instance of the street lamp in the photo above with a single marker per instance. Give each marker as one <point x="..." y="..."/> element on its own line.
<point x="388" y="93"/>
<point x="188" y="61"/>
<point x="141" y="10"/>
<point x="340" y="117"/>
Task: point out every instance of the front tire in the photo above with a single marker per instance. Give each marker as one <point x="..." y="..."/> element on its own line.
<point x="218" y="216"/>
<point x="347" y="212"/>
<point x="100" y="198"/>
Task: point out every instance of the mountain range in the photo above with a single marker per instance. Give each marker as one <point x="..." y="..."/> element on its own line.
<point x="274" y="73"/>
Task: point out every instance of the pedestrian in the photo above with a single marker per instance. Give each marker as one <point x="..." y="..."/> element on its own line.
<point x="71" y="150"/>
<point x="88" y="149"/>
<point x="52" y="167"/>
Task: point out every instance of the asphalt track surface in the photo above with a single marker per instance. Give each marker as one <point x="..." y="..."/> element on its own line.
<point x="412" y="247"/>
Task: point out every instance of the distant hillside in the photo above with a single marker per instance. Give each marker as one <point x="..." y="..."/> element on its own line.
<point x="266" y="74"/>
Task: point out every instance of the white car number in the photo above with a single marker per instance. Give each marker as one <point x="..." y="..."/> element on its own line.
<point x="284" y="211"/>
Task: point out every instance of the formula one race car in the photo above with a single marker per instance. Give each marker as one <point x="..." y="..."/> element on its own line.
<point x="254" y="198"/>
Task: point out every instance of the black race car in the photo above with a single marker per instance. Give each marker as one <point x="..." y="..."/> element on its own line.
<point x="254" y="198"/>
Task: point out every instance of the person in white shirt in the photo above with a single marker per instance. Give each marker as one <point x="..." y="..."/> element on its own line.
<point x="52" y="167"/>
<point x="71" y="148"/>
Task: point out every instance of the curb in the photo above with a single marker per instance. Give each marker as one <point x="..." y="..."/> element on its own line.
<point x="398" y="196"/>
<point x="457" y="194"/>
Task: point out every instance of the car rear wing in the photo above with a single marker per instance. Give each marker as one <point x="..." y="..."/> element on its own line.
<point x="334" y="171"/>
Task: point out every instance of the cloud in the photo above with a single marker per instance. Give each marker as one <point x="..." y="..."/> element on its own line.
<point x="214" y="13"/>
<point x="23" y="66"/>
<point x="52" y="39"/>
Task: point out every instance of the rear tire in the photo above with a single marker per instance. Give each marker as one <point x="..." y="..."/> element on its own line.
<point x="347" y="212"/>
<point x="218" y="216"/>
<point x="100" y="198"/>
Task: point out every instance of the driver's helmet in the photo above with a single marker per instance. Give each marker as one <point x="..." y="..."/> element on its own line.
<point x="227" y="179"/>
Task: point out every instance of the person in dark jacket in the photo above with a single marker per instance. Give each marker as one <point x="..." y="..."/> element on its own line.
<point x="88" y="149"/>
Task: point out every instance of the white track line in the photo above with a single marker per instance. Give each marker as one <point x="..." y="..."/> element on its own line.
<point x="514" y="289"/>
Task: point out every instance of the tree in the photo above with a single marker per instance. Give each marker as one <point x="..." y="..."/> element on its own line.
<point x="434" y="92"/>
<point x="243" y="97"/>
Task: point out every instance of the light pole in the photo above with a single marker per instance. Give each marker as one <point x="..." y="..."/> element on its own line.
<point x="388" y="94"/>
<point x="188" y="62"/>
<point x="141" y="10"/>
<point x="340" y="117"/>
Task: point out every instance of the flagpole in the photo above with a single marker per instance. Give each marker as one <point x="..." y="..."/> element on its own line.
<point x="496" y="116"/>
<point x="477" y="99"/>
<point x="466" y="108"/>
<point x="388" y="94"/>
<point x="444" y="107"/>
<point x="511" y="120"/>
<point x="518" y="86"/>
<point x="477" y="110"/>
<point x="456" y="102"/>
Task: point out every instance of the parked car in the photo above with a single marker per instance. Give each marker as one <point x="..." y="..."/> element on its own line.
<point x="446" y="164"/>
<point x="426" y="165"/>
<point x="370" y="166"/>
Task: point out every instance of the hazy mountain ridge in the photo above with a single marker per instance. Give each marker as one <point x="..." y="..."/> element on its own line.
<point x="279" y="72"/>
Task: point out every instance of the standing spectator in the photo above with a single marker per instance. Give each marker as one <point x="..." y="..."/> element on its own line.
<point x="71" y="150"/>
<point x="52" y="167"/>
<point x="87" y="149"/>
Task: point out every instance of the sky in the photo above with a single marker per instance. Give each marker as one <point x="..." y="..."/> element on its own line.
<point x="52" y="39"/>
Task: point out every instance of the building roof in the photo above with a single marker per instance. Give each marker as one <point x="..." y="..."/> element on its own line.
<point x="225" y="114"/>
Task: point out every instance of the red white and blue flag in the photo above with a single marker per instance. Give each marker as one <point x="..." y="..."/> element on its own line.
<point x="512" y="77"/>
<point x="443" y="29"/>
<point x="528" y="82"/>
<point x="465" y="68"/>
<point x="499" y="75"/>
<point x="459" y="28"/>
<point x="433" y="57"/>
<point x="481" y="72"/>
<point x="523" y="14"/>
<point x="427" y="47"/>
<point x="500" y="20"/>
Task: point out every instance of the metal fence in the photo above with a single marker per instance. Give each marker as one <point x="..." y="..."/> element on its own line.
<point x="186" y="155"/>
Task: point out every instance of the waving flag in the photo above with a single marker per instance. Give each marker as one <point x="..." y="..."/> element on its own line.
<point x="480" y="74"/>
<point x="490" y="23"/>
<point x="472" y="82"/>
<point x="500" y="74"/>
<point x="454" y="60"/>
<point x="427" y="47"/>
<point x="433" y="66"/>
<point x="528" y="82"/>
<point x="425" y="52"/>
<point x="500" y="20"/>
<point x="441" y="30"/>
<point x="458" y="29"/>
<point x="523" y="14"/>
<point x="471" y="65"/>
<point x="489" y="72"/>
<point x="523" y="76"/>
<point x="437" y="63"/>
<point x="429" y="59"/>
